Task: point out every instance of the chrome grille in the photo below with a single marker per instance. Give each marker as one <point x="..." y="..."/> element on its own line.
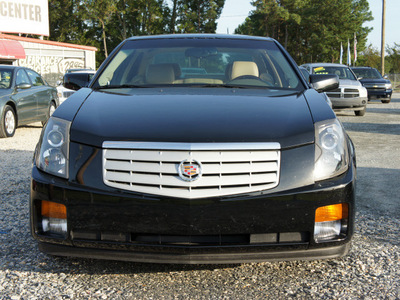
<point x="227" y="168"/>
<point x="68" y="93"/>
<point x="344" y="93"/>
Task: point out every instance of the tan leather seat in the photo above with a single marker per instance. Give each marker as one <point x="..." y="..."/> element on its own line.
<point x="242" y="68"/>
<point x="162" y="73"/>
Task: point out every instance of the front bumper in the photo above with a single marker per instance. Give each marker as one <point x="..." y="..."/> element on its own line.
<point x="351" y="103"/>
<point x="127" y="226"/>
<point x="197" y="258"/>
<point x="379" y="93"/>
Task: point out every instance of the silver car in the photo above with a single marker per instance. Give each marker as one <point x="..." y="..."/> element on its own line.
<point x="350" y="95"/>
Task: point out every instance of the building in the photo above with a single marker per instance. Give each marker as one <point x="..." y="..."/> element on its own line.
<point x="50" y="59"/>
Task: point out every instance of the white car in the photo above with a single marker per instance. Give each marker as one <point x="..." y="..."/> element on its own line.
<point x="350" y="95"/>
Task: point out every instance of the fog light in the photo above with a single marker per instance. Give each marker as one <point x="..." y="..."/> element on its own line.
<point x="54" y="217"/>
<point x="330" y="222"/>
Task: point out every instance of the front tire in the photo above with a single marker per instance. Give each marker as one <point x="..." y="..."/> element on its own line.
<point x="386" y="100"/>
<point x="8" y="122"/>
<point x="360" y="113"/>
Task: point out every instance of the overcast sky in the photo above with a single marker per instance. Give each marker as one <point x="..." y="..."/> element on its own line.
<point x="236" y="11"/>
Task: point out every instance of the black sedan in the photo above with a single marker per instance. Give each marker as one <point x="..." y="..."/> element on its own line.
<point x="24" y="98"/>
<point x="236" y="159"/>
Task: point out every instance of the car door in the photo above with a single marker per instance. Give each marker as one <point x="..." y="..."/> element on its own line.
<point x="24" y="97"/>
<point x="42" y="93"/>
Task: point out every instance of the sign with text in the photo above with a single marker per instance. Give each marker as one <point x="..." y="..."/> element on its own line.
<point x="25" y="16"/>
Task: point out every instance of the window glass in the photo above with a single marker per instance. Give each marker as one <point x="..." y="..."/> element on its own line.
<point x="22" y="78"/>
<point x="368" y="73"/>
<point x="202" y="61"/>
<point x="35" y="78"/>
<point x="342" y="72"/>
<point x="5" y="78"/>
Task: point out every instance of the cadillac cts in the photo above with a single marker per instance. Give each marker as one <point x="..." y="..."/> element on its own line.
<point x="195" y="149"/>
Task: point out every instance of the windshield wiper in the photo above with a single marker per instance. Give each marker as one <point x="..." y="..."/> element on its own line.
<point x="120" y="86"/>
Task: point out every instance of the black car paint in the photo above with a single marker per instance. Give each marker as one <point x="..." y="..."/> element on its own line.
<point x="195" y="115"/>
<point x="93" y="207"/>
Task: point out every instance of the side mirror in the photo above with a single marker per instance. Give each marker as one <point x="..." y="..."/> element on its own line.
<point x="385" y="77"/>
<point x="359" y="78"/>
<point x="324" y="82"/>
<point x="59" y="82"/>
<point x="75" y="81"/>
<point x="23" y="86"/>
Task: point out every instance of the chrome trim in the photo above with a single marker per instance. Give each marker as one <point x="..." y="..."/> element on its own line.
<point x="154" y="168"/>
<point x="190" y="146"/>
<point x="186" y="177"/>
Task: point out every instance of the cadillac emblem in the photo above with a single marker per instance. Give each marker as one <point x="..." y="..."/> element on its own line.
<point x="189" y="170"/>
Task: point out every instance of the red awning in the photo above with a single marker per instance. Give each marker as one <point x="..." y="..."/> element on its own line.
<point x="11" y="50"/>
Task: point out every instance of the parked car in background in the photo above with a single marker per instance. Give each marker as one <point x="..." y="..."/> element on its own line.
<point x="24" y="98"/>
<point x="378" y="87"/>
<point x="240" y="162"/>
<point x="63" y="92"/>
<point x="350" y="95"/>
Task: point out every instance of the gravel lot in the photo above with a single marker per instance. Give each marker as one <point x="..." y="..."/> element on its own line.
<point x="370" y="271"/>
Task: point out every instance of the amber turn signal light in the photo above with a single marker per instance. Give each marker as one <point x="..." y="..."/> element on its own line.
<point x="332" y="212"/>
<point x="54" y="210"/>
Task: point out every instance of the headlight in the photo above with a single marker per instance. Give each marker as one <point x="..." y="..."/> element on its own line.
<point x="363" y="92"/>
<point x="388" y="86"/>
<point x="53" y="152"/>
<point x="331" y="157"/>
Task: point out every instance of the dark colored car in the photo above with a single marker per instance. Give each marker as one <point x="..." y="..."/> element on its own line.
<point x="64" y="92"/>
<point x="24" y="98"/>
<point x="243" y="162"/>
<point x="378" y="87"/>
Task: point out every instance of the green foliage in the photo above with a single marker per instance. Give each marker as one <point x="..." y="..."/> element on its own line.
<point x="311" y="30"/>
<point x="105" y="23"/>
<point x="392" y="61"/>
<point x="370" y="57"/>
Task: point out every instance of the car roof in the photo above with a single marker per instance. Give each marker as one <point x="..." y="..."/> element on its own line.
<point x="10" y="66"/>
<point x="201" y="36"/>
<point x="325" y="65"/>
<point x="362" y="68"/>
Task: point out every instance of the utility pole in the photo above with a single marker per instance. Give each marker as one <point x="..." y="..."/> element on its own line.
<point x="383" y="37"/>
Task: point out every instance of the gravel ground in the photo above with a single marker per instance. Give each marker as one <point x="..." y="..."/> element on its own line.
<point x="370" y="271"/>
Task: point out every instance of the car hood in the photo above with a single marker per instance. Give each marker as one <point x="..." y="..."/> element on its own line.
<point x="348" y="82"/>
<point x="374" y="81"/>
<point x="194" y="115"/>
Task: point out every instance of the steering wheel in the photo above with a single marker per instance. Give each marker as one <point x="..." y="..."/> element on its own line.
<point x="3" y="85"/>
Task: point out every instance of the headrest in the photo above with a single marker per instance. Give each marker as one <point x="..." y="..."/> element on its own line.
<point x="162" y="73"/>
<point x="241" y="68"/>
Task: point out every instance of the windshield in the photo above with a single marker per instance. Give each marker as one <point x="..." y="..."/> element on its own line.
<point x="185" y="62"/>
<point x="368" y="73"/>
<point x="5" y="78"/>
<point x="342" y="72"/>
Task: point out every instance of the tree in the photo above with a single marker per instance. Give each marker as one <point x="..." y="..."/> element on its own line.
<point x="105" y="23"/>
<point x="199" y="16"/>
<point x="65" y="21"/>
<point x="311" y="30"/>
<point x="102" y="11"/>
<point x="393" y="59"/>
<point x="370" y="57"/>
